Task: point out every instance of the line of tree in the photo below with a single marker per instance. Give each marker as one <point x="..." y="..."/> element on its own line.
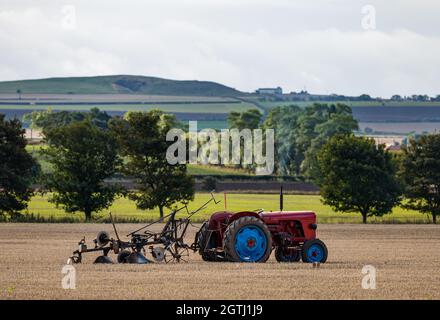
<point x="299" y="132"/>
<point x="304" y="96"/>
<point x="354" y="174"/>
<point x="357" y="175"/>
<point x="46" y="120"/>
<point x="85" y="157"/>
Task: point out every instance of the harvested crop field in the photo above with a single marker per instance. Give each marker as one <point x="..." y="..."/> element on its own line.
<point x="407" y="259"/>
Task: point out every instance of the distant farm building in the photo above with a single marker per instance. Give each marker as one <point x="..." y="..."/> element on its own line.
<point x="395" y="147"/>
<point x="264" y="91"/>
<point x="391" y="142"/>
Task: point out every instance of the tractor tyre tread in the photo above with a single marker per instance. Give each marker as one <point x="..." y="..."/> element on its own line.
<point x="306" y="246"/>
<point x="234" y="227"/>
<point x="203" y="236"/>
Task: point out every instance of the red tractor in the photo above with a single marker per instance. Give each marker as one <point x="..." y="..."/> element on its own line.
<point x="248" y="236"/>
<point x="251" y="236"/>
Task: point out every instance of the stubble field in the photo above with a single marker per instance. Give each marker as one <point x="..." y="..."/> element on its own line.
<point x="406" y="257"/>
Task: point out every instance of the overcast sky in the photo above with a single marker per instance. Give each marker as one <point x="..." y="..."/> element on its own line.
<point x="320" y="45"/>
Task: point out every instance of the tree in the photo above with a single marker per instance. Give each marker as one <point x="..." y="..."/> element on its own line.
<point x="358" y="176"/>
<point x="329" y="120"/>
<point x="35" y="119"/>
<point x="48" y="119"/>
<point x="396" y="97"/>
<point x="82" y="156"/>
<point x="368" y="130"/>
<point x="300" y="133"/>
<point x="142" y="140"/>
<point x="284" y="120"/>
<point x="365" y="97"/>
<point x="420" y="172"/>
<point x="249" y="119"/>
<point x="98" y="118"/>
<point x="19" y="94"/>
<point x="17" y="167"/>
<point x="209" y="183"/>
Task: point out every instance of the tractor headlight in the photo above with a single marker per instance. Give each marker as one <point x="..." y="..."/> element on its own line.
<point x="313" y="226"/>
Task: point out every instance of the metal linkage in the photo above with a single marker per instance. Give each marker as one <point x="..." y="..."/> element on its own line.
<point x="168" y="245"/>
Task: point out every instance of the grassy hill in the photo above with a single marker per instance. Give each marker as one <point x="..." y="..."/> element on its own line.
<point x="119" y="84"/>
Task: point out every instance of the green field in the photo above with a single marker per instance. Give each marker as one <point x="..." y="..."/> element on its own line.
<point x="115" y="84"/>
<point x="193" y="169"/>
<point x="34" y="150"/>
<point x="272" y="104"/>
<point x="169" y="107"/>
<point x="211" y="124"/>
<point x="125" y="211"/>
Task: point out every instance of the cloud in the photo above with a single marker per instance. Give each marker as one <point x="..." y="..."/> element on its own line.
<point x="244" y="44"/>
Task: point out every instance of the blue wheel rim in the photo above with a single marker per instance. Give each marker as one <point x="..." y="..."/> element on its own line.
<point x="315" y="253"/>
<point x="250" y="244"/>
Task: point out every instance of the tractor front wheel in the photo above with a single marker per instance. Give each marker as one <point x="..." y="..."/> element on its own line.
<point x="287" y="254"/>
<point x="314" y="251"/>
<point x="247" y="239"/>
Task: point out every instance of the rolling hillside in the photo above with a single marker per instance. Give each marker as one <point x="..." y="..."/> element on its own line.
<point x="117" y="84"/>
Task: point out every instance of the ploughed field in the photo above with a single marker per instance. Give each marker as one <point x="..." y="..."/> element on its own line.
<point x="406" y="257"/>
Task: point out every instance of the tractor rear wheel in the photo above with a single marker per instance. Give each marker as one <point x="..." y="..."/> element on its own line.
<point x="287" y="254"/>
<point x="247" y="239"/>
<point x="314" y="251"/>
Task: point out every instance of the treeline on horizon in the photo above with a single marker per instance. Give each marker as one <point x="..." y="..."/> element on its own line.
<point x="316" y="142"/>
<point x="304" y="96"/>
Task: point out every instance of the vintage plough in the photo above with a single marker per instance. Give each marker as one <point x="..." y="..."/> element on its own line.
<point x="246" y="236"/>
<point x="165" y="246"/>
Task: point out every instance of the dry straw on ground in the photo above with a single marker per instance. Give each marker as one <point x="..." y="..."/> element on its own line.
<point x="407" y="258"/>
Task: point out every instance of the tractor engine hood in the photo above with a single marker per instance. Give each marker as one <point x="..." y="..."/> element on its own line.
<point x="273" y="216"/>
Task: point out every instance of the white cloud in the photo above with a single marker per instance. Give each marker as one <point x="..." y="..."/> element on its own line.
<point x="244" y="44"/>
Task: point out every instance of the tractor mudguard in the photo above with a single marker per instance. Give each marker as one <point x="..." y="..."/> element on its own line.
<point x="238" y="215"/>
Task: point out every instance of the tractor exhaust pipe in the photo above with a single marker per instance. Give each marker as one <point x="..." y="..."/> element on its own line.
<point x="281" y="199"/>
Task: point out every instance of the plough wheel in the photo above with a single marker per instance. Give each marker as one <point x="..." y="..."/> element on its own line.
<point x="123" y="255"/>
<point x="176" y="254"/>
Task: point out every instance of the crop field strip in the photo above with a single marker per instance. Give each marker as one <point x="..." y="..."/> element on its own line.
<point x="53" y="98"/>
<point x="184" y="107"/>
<point x="419" y="118"/>
<point x="125" y="210"/>
<point x="355" y="104"/>
<point x="406" y="257"/>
